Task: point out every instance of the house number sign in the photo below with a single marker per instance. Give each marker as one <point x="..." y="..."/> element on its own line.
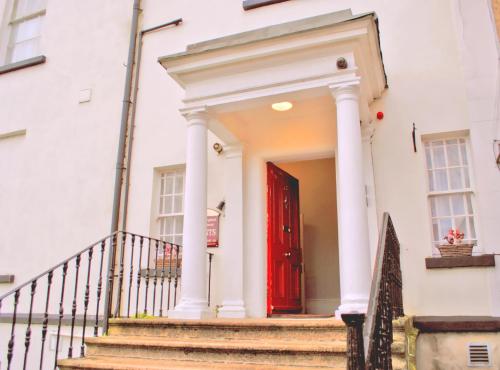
<point x="212" y="229"/>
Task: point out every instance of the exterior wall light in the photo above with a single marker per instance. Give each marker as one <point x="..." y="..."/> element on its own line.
<point x="282" y="106"/>
<point x="218" y="148"/>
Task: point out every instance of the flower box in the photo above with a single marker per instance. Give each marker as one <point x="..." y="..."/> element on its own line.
<point x="455" y="250"/>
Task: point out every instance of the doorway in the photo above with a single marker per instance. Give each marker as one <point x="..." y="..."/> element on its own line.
<point x="314" y="267"/>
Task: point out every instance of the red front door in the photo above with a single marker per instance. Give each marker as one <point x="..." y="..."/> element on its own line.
<point x="284" y="258"/>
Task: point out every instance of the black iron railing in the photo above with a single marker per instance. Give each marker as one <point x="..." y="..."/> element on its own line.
<point x="122" y="275"/>
<point x="385" y="305"/>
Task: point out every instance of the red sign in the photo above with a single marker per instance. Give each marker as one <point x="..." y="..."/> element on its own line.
<point x="212" y="231"/>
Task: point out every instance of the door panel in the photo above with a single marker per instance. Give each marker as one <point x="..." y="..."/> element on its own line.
<point x="284" y="255"/>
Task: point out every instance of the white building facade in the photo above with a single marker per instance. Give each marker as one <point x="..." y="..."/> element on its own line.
<point x="395" y="108"/>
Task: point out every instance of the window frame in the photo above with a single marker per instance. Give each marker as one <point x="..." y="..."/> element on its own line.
<point x="157" y="216"/>
<point x="9" y="22"/>
<point x="430" y="194"/>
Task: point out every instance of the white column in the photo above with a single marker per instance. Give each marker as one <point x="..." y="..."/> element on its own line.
<point x="354" y="250"/>
<point x="193" y="303"/>
<point x="233" y="305"/>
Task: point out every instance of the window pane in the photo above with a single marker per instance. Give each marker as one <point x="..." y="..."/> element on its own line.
<point x="469" y="204"/>
<point x="463" y="152"/>
<point x="162" y="184"/>
<point x="466" y="177"/>
<point x="428" y="157"/>
<point x="168" y="228"/>
<point x="179" y="223"/>
<point x="435" y="231"/>
<point x="456" y="178"/>
<point x="438" y="156"/>
<point x="453" y="155"/>
<point x="169" y="185"/>
<point x="26" y="30"/>
<point x="457" y="202"/>
<point x="178" y="203"/>
<point x="168" y="204"/>
<point x="23" y="50"/>
<point x="444" y="226"/>
<point x="443" y="206"/>
<point x="434" y="207"/>
<point x="179" y="184"/>
<point x="441" y="181"/>
<point x="431" y="181"/>
<point x="460" y="224"/>
<point x="472" y="229"/>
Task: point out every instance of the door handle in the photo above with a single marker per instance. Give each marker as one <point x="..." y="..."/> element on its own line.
<point x="288" y="254"/>
<point x="287" y="229"/>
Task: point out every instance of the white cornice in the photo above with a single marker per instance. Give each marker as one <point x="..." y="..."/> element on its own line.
<point x="286" y="64"/>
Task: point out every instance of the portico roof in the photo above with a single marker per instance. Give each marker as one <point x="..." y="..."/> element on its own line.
<point x="270" y="32"/>
<point x="298" y="57"/>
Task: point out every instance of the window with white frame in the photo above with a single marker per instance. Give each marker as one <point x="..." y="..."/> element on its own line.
<point x="25" y="27"/>
<point x="449" y="185"/>
<point x="171" y="206"/>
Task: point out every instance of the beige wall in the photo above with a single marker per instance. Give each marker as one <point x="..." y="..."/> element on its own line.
<point x="449" y="351"/>
<point x="318" y="205"/>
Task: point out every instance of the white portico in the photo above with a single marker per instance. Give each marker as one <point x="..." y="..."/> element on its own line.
<point x="229" y="78"/>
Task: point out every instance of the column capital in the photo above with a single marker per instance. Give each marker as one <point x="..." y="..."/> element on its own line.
<point x="346" y="90"/>
<point x="233" y="150"/>
<point x="195" y="116"/>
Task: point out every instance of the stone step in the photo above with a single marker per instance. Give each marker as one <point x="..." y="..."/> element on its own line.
<point x="317" y="330"/>
<point x="114" y="363"/>
<point x="268" y="352"/>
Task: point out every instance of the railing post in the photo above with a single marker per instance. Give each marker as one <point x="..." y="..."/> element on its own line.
<point x="355" y="346"/>
<point x="108" y="296"/>
<point x="210" y="256"/>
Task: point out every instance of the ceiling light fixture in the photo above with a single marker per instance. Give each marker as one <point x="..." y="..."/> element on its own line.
<point x="282" y="106"/>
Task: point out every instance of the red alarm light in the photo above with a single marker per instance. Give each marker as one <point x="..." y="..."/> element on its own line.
<point x="380" y="115"/>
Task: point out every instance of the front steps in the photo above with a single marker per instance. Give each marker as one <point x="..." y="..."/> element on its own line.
<point x="247" y="344"/>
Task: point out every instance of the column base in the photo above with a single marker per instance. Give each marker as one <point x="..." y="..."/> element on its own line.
<point x="352" y="306"/>
<point x="232" y="310"/>
<point x="191" y="311"/>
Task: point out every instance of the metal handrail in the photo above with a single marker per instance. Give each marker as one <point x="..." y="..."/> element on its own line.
<point x="385" y="304"/>
<point x="81" y="286"/>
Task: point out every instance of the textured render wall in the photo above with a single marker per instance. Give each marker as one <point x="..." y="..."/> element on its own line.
<point x="426" y="86"/>
<point x="56" y="182"/>
<point x="321" y="251"/>
<point x="450" y="350"/>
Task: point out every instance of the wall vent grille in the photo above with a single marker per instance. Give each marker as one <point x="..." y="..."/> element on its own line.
<point x="479" y="355"/>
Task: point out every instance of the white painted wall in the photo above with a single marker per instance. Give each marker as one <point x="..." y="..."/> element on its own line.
<point x="426" y="86"/>
<point x="57" y="181"/>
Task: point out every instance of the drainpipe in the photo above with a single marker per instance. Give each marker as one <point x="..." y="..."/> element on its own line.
<point x="132" y="118"/>
<point x="108" y="296"/>
<point x="124" y="118"/>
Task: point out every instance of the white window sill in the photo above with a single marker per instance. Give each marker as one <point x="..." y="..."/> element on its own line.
<point x="22" y="64"/>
